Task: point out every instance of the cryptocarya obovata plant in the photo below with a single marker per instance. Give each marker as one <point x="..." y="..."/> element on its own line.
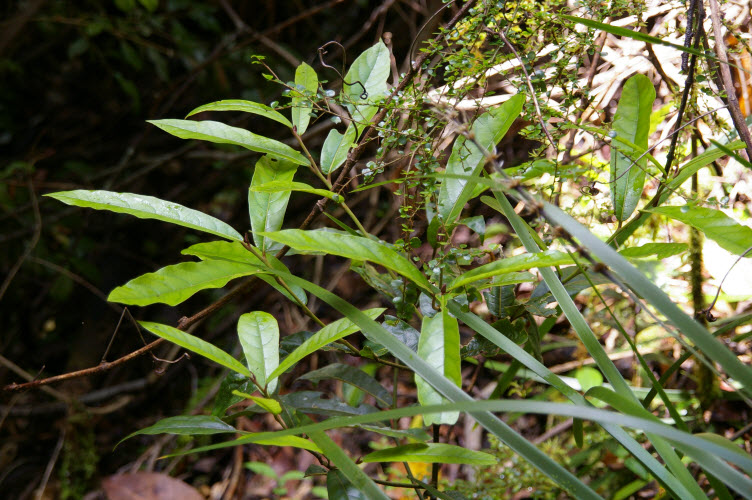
<point x="430" y="296"/>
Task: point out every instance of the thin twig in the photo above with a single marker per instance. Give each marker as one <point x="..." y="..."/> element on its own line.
<point x="720" y="49"/>
<point x="32" y="243"/>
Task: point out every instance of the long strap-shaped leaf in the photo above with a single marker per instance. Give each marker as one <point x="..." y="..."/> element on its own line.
<point x="702" y="448"/>
<point x="506" y="434"/>
<point x="147" y="207"/>
<point x="709" y="345"/>
<point x="357" y="477"/>
<point x="593" y="346"/>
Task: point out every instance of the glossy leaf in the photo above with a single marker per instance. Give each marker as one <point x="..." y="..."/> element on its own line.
<point x="716" y="225"/>
<point x="188" y="425"/>
<point x="259" y="336"/>
<point x="418" y="433"/>
<point x="172" y="285"/>
<point x="322" y="404"/>
<point x="467" y="159"/>
<point x="197" y="345"/>
<point x="220" y="133"/>
<point x="267" y="210"/>
<point x="246" y="107"/>
<point x="659" y="250"/>
<point x="270" y="405"/>
<point x="365" y="81"/>
<point x="351" y="247"/>
<point x="439" y="346"/>
<point x="339" y="488"/>
<point x="147" y="207"/>
<point x="224" y="250"/>
<point x="305" y="79"/>
<point x="685" y="172"/>
<point x="353" y="376"/>
<point x="508" y="265"/>
<point x="328" y="334"/>
<point x="690" y="328"/>
<point x="297" y="442"/>
<point x="287" y="187"/>
<point x="430" y="453"/>
<point x="335" y="149"/>
<point x="632" y="123"/>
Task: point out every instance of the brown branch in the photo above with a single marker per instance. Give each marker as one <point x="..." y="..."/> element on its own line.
<point x="733" y="102"/>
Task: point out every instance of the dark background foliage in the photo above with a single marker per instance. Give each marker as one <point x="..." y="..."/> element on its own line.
<point x="77" y="82"/>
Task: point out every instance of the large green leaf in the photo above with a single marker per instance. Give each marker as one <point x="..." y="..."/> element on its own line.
<point x="188" y="425"/>
<point x="236" y="252"/>
<point x="197" y="345"/>
<point x="709" y="345"/>
<point x="225" y="134"/>
<point x="696" y="444"/>
<point x="439" y="346"/>
<point x="353" y="376"/>
<point x="658" y="250"/>
<point x="368" y="73"/>
<point x="685" y="172"/>
<point x="246" y="107"/>
<point x="351" y="247"/>
<point x="259" y="336"/>
<point x="508" y="265"/>
<point x="172" y="285"/>
<point x="335" y="148"/>
<point x="716" y="225"/>
<point x="468" y="159"/>
<point x="328" y="334"/>
<point x="430" y="453"/>
<point x="339" y="488"/>
<point x="631" y="122"/>
<point x="147" y="207"/>
<point x="288" y="186"/>
<point x="267" y="210"/>
<point x="307" y="80"/>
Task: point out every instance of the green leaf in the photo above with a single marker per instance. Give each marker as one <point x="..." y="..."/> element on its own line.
<point x="323" y="404"/>
<point x="417" y="433"/>
<point x="716" y="225"/>
<point x="659" y="250"/>
<point x="189" y="425"/>
<point x="220" y="133"/>
<point x="512" y="264"/>
<point x="270" y="405"/>
<point x="244" y="106"/>
<point x="287" y="187"/>
<point x="197" y="345"/>
<point x="685" y="172"/>
<point x="353" y="376"/>
<point x="350" y="472"/>
<point x="172" y="285"/>
<point x="371" y="70"/>
<point x="588" y="377"/>
<point x="351" y="247"/>
<point x="259" y="336"/>
<point x="431" y="453"/>
<point x="305" y="77"/>
<point x="267" y="210"/>
<point x="335" y="148"/>
<point x="690" y="328"/>
<point x="339" y="488"/>
<point x="631" y="122"/>
<point x="439" y="346"/>
<point x="147" y="207"/>
<point x="328" y="334"/>
<point x="468" y="159"/>
<point x="295" y="442"/>
<point x="224" y="250"/>
<point x="635" y="35"/>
